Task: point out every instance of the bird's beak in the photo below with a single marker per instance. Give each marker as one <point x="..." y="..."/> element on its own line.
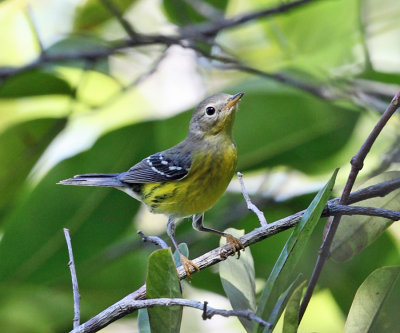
<point x="234" y="100"/>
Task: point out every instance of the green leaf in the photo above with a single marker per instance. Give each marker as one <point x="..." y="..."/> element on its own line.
<point x="238" y="281"/>
<point x="34" y="83"/>
<point x="291" y="317"/>
<point x="188" y="12"/>
<point x="143" y="321"/>
<point x="289" y="127"/>
<point x="184" y="250"/>
<point x="281" y="303"/>
<point x="279" y="42"/>
<point x="92" y="13"/>
<point x="20" y="148"/>
<point x="163" y="281"/>
<point x="355" y="233"/>
<point x="284" y="267"/>
<point x="370" y="298"/>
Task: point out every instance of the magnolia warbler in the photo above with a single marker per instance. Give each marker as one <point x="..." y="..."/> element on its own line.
<point x="187" y="179"/>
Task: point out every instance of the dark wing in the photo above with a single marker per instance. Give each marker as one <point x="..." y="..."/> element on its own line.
<point x="160" y="167"/>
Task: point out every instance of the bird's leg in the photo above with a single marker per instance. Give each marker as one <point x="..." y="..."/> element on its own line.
<point x="235" y="243"/>
<point x="186" y="263"/>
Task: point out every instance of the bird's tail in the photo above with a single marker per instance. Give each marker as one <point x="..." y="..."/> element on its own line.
<point x="94" y="179"/>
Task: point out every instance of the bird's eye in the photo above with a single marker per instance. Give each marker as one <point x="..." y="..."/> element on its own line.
<point x="210" y="110"/>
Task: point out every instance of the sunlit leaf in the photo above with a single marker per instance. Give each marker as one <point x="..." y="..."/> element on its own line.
<point x="92" y="13"/>
<point x="293" y="41"/>
<point x="369" y="299"/>
<point x="163" y="281"/>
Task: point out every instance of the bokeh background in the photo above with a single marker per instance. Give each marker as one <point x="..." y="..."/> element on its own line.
<point x="78" y="94"/>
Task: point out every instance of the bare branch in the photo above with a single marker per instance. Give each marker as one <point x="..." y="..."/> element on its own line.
<point x="75" y="289"/>
<point x="250" y="205"/>
<point x="356" y="165"/>
<point x="208" y="312"/>
<point x="318" y="91"/>
<point x="123" y="22"/>
<point x="373" y="191"/>
<point x="333" y="210"/>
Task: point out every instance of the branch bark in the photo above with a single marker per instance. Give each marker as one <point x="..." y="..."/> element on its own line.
<point x="208" y="312"/>
<point x="250" y="205"/>
<point x="75" y="289"/>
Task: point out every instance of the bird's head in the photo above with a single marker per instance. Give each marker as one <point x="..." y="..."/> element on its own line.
<point x="215" y="115"/>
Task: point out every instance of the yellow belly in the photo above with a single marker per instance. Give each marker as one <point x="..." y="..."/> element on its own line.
<point x="205" y="183"/>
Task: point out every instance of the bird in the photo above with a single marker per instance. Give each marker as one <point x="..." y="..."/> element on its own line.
<point x="187" y="179"/>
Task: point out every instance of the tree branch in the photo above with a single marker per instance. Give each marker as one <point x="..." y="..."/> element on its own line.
<point x="75" y="289"/>
<point x="333" y="210"/>
<point x="118" y="15"/>
<point x="208" y="312"/>
<point x="121" y="308"/>
<point x="250" y="205"/>
<point x="356" y="165"/>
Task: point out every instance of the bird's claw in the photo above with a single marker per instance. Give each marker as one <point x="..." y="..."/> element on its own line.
<point x="189" y="266"/>
<point x="235" y="243"/>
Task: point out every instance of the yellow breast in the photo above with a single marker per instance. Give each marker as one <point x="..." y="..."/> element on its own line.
<point x="207" y="180"/>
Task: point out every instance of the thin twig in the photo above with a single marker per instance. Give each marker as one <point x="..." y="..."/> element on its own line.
<point x="123" y="22"/>
<point x="75" y="289"/>
<point x="356" y="165"/>
<point x="320" y="91"/>
<point x="153" y="239"/>
<point x="334" y="209"/>
<point x="214" y="256"/>
<point x="250" y="205"/>
<point x="208" y="312"/>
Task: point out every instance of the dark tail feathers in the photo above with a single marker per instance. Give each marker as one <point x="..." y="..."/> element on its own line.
<point x="94" y="179"/>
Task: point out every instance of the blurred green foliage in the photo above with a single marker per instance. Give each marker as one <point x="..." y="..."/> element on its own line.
<point x="282" y="127"/>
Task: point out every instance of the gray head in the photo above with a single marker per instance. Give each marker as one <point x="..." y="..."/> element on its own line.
<point x="214" y="115"/>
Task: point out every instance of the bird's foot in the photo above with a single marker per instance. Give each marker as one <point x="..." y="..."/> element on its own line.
<point x="189" y="266"/>
<point x="235" y="243"/>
